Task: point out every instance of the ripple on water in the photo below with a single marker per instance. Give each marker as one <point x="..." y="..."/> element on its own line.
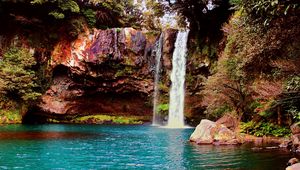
<point x="121" y="147"/>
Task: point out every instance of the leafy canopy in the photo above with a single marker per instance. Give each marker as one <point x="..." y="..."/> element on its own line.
<point x="17" y="79"/>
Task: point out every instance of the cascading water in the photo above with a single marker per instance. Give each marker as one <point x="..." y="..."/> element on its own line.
<point x="176" y="105"/>
<point x="156" y="120"/>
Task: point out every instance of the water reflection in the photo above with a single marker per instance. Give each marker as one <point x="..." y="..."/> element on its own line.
<point x="175" y="148"/>
<point x="42" y="135"/>
<point x="122" y="147"/>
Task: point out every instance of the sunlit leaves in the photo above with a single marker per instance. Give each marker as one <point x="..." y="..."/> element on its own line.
<point x="17" y="79"/>
<point x="62" y="6"/>
<point x="57" y="15"/>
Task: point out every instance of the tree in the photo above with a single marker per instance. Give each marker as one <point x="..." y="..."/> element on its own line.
<point x="17" y="78"/>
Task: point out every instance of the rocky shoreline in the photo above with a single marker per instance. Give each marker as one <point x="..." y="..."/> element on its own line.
<point x="224" y="133"/>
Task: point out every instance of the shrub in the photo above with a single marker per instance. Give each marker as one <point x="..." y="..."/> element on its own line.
<point x="220" y="111"/>
<point x="90" y="16"/>
<point x="17" y="78"/>
<point x="264" y="129"/>
<point x="163" y="107"/>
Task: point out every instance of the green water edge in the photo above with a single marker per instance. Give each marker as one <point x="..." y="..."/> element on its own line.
<point x="104" y="119"/>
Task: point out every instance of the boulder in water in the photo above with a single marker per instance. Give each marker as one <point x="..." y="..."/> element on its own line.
<point x="202" y="133"/>
<point x="209" y="132"/>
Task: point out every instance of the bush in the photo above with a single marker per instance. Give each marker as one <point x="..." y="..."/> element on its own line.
<point x="266" y="10"/>
<point x="90" y="16"/>
<point x="264" y="129"/>
<point x="17" y="78"/>
<point x="220" y="111"/>
<point x="163" y="107"/>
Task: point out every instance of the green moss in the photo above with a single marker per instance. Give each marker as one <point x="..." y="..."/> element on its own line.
<point x="102" y="119"/>
<point x="127" y="70"/>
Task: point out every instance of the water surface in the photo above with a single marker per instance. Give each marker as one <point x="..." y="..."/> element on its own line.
<point x="122" y="147"/>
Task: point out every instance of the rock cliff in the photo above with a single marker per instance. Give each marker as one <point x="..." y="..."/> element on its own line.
<point x="102" y="71"/>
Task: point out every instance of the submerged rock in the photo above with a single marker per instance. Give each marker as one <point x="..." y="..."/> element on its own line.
<point x="209" y="132"/>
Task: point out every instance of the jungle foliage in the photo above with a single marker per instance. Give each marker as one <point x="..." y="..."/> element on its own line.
<point x="257" y="73"/>
<point x="97" y="13"/>
<point x="17" y="77"/>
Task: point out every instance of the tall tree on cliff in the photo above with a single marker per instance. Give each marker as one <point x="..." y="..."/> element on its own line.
<point x="261" y="51"/>
<point x="17" y="77"/>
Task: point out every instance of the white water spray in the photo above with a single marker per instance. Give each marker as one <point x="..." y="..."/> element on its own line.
<point x="176" y="106"/>
<point x="156" y="120"/>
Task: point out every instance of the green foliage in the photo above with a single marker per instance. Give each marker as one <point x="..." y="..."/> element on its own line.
<point x="265" y="11"/>
<point x="255" y="54"/>
<point x="100" y="119"/>
<point x="10" y="116"/>
<point x="90" y="16"/>
<point x="163" y="107"/>
<point x="220" y="111"/>
<point x="62" y="7"/>
<point x="151" y="17"/>
<point x="263" y="108"/>
<point x="293" y="84"/>
<point x="291" y="97"/>
<point x="232" y="68"/>
<point x="17" y="78"/>
<point x="295" y="112"/>
<point x="264" y="129"/>
<point x="70" y="5"/>
<point x="98" y="13"/>
<point x="57" y="15"/>
<point x="163" y="87"/>
<point x="123" y="71"/>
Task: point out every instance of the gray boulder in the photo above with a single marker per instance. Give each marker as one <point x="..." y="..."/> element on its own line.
<point x="209" y="132"/>
<point x="202" y="133"/>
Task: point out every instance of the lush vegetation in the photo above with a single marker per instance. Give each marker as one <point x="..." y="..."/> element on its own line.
<point x="251" y="49"/>
<point x="103" y="119"/>
<point x="18" y="85"/>
<point x="97" y="13"/>
<point x="256" y="76"/>
<point x="17" y="77"/>
<point x="264" y="129"/>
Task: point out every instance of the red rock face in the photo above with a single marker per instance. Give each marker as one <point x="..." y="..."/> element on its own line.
<point x="102" y="71"/>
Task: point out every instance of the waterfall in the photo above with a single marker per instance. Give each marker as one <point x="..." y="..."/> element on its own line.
<point x="176" y="105"/>
<point x="156" y="120"/>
